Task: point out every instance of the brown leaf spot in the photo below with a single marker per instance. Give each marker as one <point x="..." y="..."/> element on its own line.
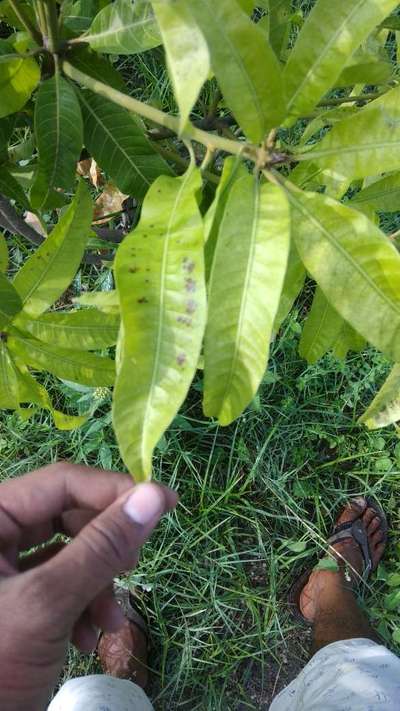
<point x="133" y="270"/>
<point x="143" y="300"/>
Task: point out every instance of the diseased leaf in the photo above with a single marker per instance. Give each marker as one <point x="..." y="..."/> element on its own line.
<point x="244" y="291"/>
<point x="382" y="195"/>
<point x="105" y="301"/>
<point x="124" y="27"/>
<point x="321" y="329"/>
<point x="8" y="380"/>
<point x="119" y="145"/>
<point x="294" y="281"/>
<point x="65" y="363"/>
<point x="3" y="254"/>
<point x="366" y="143"/>
<point x="385" y="407"/>
<point x="110" y="201"/>
<point x="12" y="189"/>
<point x="187" y="52"/>
<point x="30" y="391"/>
<point x="59" y="138"/>
<point x="233" y="170"/>
<point x="10" y="302"/>
<point x="81" y="330"/>
<point x="244" y="64"/>
<point x="327" y="40"/>
<point x="355" y="265"/>
<point x="160" y="279"/>
<point x="49" y="271"/>
<point x="348" y="340"/>
<point x="18" y="78"/>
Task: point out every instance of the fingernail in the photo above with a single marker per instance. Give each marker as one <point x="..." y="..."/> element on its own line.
<point x="144" y="504"/>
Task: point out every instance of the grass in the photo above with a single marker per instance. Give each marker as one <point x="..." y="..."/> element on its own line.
<point x="257" y="501"/>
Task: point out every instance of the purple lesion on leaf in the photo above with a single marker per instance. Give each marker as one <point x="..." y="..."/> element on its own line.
<point x="185" y="320"/>
<point x="188" y="265"/>
<point x="190" y="285"/>
<point x="181" y="359"/>
<point x="191" y="306"/>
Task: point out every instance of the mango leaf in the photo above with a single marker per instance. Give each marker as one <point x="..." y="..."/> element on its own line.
<point x="321" y="329"/>
<point x="244" y="64"/>
<point x="79" y="15"/>
<point x="118" y="143"/>
<point x="10" y="301"/>
<point x="8" y="380"/>
<point x="65" y="363"/>
<point x="18" y="78"/>
<point x="294" y="281"/>
<point x="81" y="330"/>
<point x="30" y="391"/>
<point x="348" y="340"/>
<point x="382" y="195"/>
<point x="105" y="301"/>
<point x="3" y="254"/>
<point x="345" y="252"/>
<point x="244" y="291"/>
<point x="366" y="143"/>
<point x="12" y="189"/>
<point x="96" y="66"/>
<point x="188" y="58"/>
<point x="124" y="27"/>
<point x="6" y="129"/>
<point x="48" y="272"/>
<point x="280" y="12"/>
<point x="59" y="138"/>
<point x="385" y="407"/>
<point x="160" y="279"/>
<point x="328" y="38"/>
<point x="365" y="73"/>
<point x="233" y="170"/>
<point x="7" y="13"/>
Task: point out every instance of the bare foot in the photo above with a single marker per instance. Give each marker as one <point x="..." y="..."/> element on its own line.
<point x="323" y="583"/>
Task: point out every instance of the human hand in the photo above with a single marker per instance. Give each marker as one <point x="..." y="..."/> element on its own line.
<point x="63" y="593"/>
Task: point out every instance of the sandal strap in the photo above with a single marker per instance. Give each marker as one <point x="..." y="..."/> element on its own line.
<point x="357" y="531"/>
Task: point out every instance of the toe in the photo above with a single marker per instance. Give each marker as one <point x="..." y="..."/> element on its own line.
<point x="353" y="509"/>
<point x="376" y="538"/>
<point x="369" y="514"/>
<point x="374" y="525"/>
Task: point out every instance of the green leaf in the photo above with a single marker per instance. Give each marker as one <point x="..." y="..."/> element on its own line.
<point x="280" y="12"/>
<point x="105" y="301"/>
<point x="188" y="58"/>
<point x="12" y="189"/>
<point x="81" y="330"/>
<point x="385" y="407"/>
<point x="117" y="142"/>
<point x="124" y="28"/>
<point x="244" y="64"/>
<point x="8" y="380"/>
<point x="30" y="391"/>
<point x="364" y="144"/>
<point x="80" y="15"/>
<point x="294" y="281"/>
<point x="348" y="340"/>
<point x="343" y="250"/>
<point x="3" y="254"/>
<point x="327" y="563"/>
<point x="365" y="73"/>
<point x="327" y="40"/>
<point x="392" y="600"/>
<point x="244" y="291"/>
<point x="296" y="546"/>
<point x="382" y="195"/>
<point x="233" y="170"/>
<point x="6" y="129"/>
<point x="96" y="66"/>
<point x="65" y="363"/>
<point x="10" y="301"/>
<point x="160" y="279"/>
<point x="321" y="329"/>
<point x="59" y="138"/>
<point x="7" y="12"/>
<point x="18" y="78"/>
<point x="49" y="271"/>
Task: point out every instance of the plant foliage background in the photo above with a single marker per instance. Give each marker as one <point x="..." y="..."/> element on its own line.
<point x="185" y="187"/>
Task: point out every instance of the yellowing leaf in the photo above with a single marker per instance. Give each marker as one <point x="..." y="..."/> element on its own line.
<point x="187" y="52"/>
<point x="49" y="271"/>
<point x="159" y="273"/>
<point x="364" y="144"/>
<point x="383" y="195"/>
<point x="244" y="64"/>
<point x="81" y="330"/>
<point x="294" y="280"/>
<point x="10" y="301"/>
<point x="105" y="301"/>
<point x="244" y="291"/>
<point x="355" y="265"/>
<point x="18" y="78"/>
<point x="385" y="407"/>
<point x="8" y="380"/>
<point x="329" y="37"/>
<point x="124" y="27"/>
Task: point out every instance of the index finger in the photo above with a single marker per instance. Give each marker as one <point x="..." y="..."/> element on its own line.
<point x="44" y="494"/>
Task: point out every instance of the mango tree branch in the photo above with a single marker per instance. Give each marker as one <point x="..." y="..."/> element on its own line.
<point x="25" y="21"/>
<point x="191" y="133"/>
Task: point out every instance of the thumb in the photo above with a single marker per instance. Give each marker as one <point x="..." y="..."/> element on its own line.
<point x="106" y="547"/>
